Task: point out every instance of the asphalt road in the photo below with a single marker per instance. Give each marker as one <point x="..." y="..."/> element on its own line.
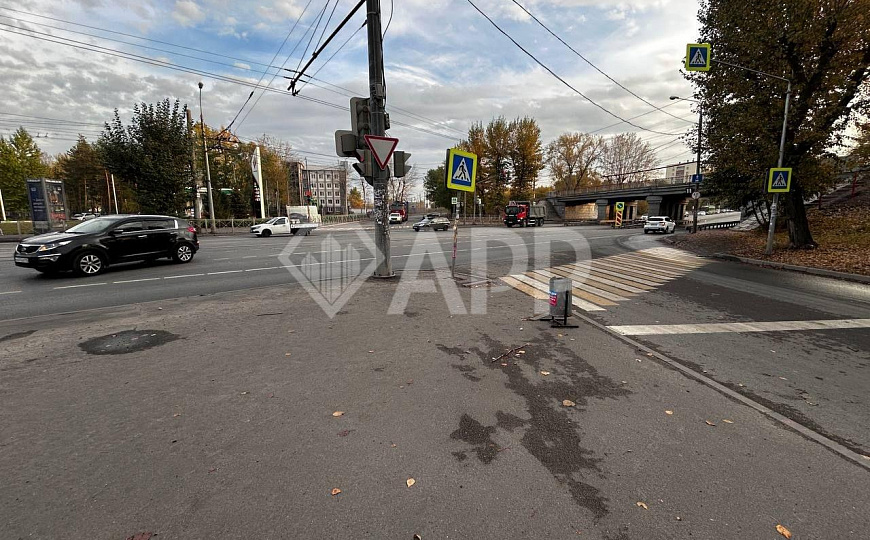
<point x="221" y="424"/>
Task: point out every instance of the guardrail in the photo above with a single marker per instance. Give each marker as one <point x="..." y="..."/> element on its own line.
<point x="721" y="225"/>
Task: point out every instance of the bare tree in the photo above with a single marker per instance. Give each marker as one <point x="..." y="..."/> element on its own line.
<point x="626" y="158"/>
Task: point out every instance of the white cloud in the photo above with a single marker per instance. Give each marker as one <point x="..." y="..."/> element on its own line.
<point x="187" y="13"/>
<point x="242" y="65"/>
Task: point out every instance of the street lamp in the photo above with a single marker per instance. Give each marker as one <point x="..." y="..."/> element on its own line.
<point x="207" y="169"/>
<point x="698" y="163"/>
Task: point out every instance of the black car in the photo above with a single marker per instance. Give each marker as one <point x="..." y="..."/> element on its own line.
<point x="91" y="246"/>
<point x="435" y="223"/>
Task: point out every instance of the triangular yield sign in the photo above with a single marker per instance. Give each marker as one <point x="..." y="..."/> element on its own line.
<point x="382" y="148"/>
<point x="698" y="58"/>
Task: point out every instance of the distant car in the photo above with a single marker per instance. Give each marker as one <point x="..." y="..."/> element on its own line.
<point x="435" y="223"/>
<point x="433" y="215"/>
<point x="644" y="217"/>
<point x="91" y="246"/>
<point x="702" y="213"/>
<point x="395" y="217"/>
<point x="84" y="217"/>
<point x="662" y="224"/>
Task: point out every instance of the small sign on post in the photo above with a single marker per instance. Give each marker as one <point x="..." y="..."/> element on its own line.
<point x="779" y="180"/>
<point x="697" y="178"/>
<point x="698" y="57"/>
<point x="461" y="170"/>
<point x="620" y="208"/>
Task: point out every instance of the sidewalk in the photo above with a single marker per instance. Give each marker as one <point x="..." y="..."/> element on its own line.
<point x="226" y="427"/>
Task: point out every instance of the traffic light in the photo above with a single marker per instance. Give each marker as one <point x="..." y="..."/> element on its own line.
<point x="364" y="167"/>
<point x="360" y="121"/>
<point x="400" y="163"/>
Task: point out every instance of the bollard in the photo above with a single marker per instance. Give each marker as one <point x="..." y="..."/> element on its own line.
<point x="561" y="302"/>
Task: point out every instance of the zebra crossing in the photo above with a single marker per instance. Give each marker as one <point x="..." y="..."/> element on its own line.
<point x="603" y="283"/>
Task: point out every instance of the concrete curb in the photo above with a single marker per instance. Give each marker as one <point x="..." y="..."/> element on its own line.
<point x="858" y="278"/>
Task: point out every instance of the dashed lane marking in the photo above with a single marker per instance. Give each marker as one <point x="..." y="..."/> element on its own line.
<point x="715" y="328"/>
<point x="10" y="292"/>
<point x="182" y="276"/>
<point x="79" y="286"/>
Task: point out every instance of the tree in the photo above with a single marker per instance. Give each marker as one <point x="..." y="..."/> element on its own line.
<point x="152" y="153"/>
<point x="436" y="188"/>
<point x="20" y="159"/>
<point x="823" y="47"/>
<point x="526" y="156"/>
<point x="497" y="165"/>
<point x="354" y="198"/>
<point x="625" y="158"/>
<point x="84" y="178"/>
<point x="861" y="153"/>
<point x="572" y="158"/>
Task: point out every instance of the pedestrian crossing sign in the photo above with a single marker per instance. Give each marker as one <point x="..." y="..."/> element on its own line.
<point x="461" y="170"/>
<point x="779" y="180"/>
<point x="698" y="57"/>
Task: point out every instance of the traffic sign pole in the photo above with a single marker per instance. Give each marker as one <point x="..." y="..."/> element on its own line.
<point x="380" y="176"/>
<point x="775" y="206"/>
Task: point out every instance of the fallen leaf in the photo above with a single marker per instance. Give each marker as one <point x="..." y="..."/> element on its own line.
<point x="866" y="457"/>
<point x="521" y="352"/>
<point x="669" y="413"/>
<point x="545" y="373"/>
<point x="286" y="354"/>
<point x="335" y="491"/>
<point x="728" y="421"/>
<point x="709" y="423"/>
<point x="213" y="469"/>
<point x="393" y="445"/>
<point x="245" y="393"/>
<point x="783" y="378"/>
<point x="338" y="413"/>
<point x="642" y="505"/>
<point x="679" y="518"/>
<point x="176" y="415"/>
<point x="370" y="352"/>
<point x="410" y="482"/>
<point x="418" y="537"/>
<point x="783" y="531"/>
<point x="568" y="403"/>
<point x="649" y="354"/>
<point x="503" y="364"/>
<point x="560" y="335"/>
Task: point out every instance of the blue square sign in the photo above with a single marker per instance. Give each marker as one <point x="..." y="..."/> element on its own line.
<point x="698" y="57"/>
<point x="461" y="170"/>
<point x="697" y="178"/>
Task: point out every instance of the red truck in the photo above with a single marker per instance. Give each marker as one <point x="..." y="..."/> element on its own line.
<point x="401" y="207"/>
<point x="524" y="214"/>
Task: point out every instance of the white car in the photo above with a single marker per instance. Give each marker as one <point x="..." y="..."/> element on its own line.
<point x="283" y="225"/>
<point x="662" y="224"/>
<point x="395" y="217"/>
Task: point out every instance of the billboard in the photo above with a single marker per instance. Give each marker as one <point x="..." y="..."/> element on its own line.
<point x="47" y="204"/>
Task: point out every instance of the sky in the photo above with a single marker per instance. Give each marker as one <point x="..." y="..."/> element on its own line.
<point x="446" y="67"/>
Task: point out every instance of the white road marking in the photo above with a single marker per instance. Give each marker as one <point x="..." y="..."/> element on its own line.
<point x="224" y="272"/>
<point x="183" y="276"/>
<point x="582" y="304"/>
<point x="137" y="280"/>
<point x="713" y="328"/>
<point x="265" y="268"/>
<point x="82" y="285"/>
<point x="10" y="292"/>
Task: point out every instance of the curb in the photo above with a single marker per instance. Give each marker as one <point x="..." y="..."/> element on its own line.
<point x="858" y="278"/>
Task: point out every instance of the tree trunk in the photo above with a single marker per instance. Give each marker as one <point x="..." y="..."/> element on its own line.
<point x="798" y="226"/>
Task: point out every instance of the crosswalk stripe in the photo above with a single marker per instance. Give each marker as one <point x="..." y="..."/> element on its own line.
<point x="580" y="292"/>
<point x="712" y="328"/>
<point x="656" y="263"/>
<point x="646" y="266"/>
<point x="583" y="294"/>
<point x="580" y="303"/>
<point x="671" y="262"/>
<point x="595" y="281"/>
<point x="617" y="271"/>
<point x="529" y="290"/>
<point x="584" y="287"/>
<point x="603" y="278"/>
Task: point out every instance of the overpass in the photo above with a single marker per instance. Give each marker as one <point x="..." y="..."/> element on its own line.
<point x="597" y="203"/>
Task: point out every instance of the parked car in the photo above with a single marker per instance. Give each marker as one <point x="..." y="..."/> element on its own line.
<point x="91" y="246"/>
<point x="662" y="224"/>
<point x="433" y="215"/>
<point x="84" y="217"/>
<point x="644" y="217"/>
<point x="283" y="225"/>
<point x="435" y="223"/>
<point x="395" y="218"/>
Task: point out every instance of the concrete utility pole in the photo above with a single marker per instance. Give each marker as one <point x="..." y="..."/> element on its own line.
<point x="377" y="102"/>
<point x="773" y="207"/>
<point x="196" y="213"/>
<point x="698" y="168"/>
<point x="207" y="169"/>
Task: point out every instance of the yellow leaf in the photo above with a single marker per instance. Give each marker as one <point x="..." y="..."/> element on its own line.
<point x="411" y="482"/>
<point x="338" y="413"/>
<point x="642" y="505"/>
<point x="728" y="421"/>
<point x="545" y="373"/>
<point x="783" y="531"/>
<point x="568" y="403"/>
<point x="335" y="491"/>
<point x="709" y="423"/>
<point x="287" y="354"/>
<point x="669" y="413"/>
<point x="176" y="415"/>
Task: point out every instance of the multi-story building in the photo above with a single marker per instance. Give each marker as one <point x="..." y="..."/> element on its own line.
<point x="681" y="173"/>
<point x="328" y="186"/>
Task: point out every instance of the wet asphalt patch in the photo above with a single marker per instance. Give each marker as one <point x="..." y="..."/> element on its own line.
<point x="127" y="341"/>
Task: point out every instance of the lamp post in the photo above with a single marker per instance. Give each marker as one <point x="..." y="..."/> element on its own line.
<point x="698" y="161"/>
<point x="207" y="169"/>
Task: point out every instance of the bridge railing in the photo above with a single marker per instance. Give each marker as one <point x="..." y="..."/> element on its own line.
<point x="625" y="186"/>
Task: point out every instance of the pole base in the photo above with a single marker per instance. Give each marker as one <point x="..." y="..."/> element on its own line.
<point x="557" y="323"/>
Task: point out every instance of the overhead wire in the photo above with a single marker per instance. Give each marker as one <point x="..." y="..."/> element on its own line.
<point x="559" y="78"/>
<point x="596" y="68"/>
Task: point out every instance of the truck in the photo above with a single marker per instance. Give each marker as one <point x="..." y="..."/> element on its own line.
<point x="283" y="225"/>
<point x="400" y="207"/>
<point x="524" y="214"/>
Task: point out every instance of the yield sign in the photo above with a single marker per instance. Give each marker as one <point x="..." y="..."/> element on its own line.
<point x="382" y="148"/>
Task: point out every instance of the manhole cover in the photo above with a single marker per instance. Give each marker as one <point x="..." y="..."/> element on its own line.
<point x="127" y="341"/>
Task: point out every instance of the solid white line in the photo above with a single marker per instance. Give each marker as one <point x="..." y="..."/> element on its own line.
<point x="137" y="280"/>
<point x="183" y="275"/>
<point x="10" y="292"/>
<point x="266" y="268"/>
<point x="250" y="256"/>
<point x="83" y="285"/>
<point x="224" y="272"/>
<point x="223" y="259"/>
<point x="713" y="328"/>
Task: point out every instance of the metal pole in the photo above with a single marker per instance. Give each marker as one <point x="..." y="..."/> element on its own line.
<point x="377" y="102"/>
<point x="697" y="169"/>
<point x="2" y="206"/>
<point x="774" y="207"/>
<point x="197" y="215"/>
<point x="207" y="168"/>
<point x="115" y="195"/>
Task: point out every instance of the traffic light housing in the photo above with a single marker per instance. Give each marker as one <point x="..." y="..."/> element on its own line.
<point x="360" y="121"/>
<point x="400" y="163"/>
